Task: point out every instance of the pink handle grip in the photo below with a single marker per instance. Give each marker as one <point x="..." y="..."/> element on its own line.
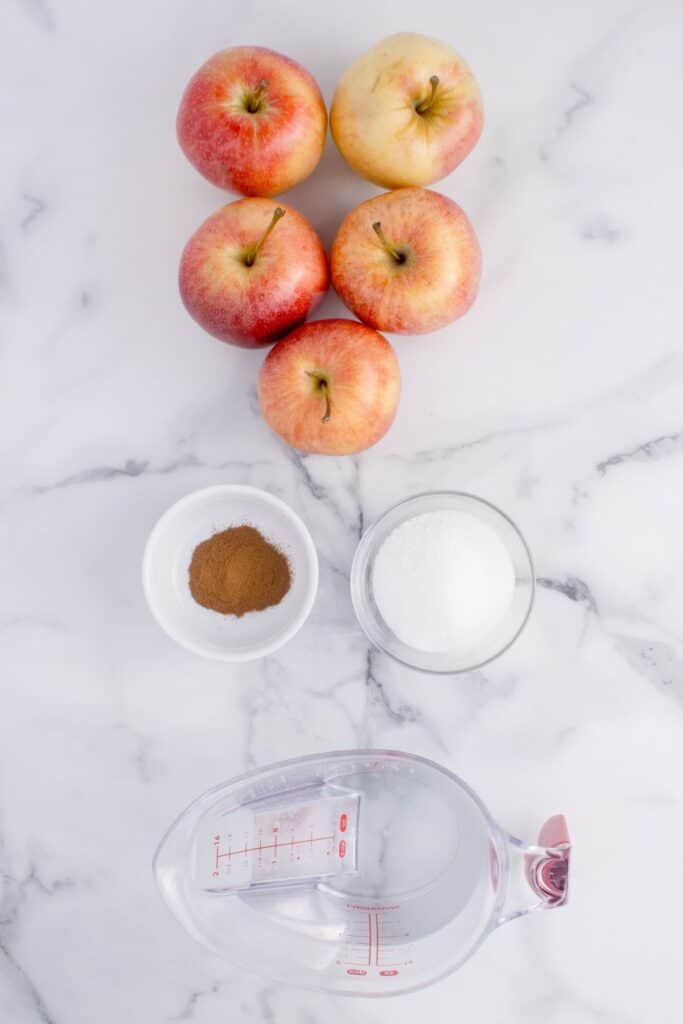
<point x="547" y="868"/>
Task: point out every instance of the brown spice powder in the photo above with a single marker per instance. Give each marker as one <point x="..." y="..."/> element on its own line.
<point x="238" y="571"/>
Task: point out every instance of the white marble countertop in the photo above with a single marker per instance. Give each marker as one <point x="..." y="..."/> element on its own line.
<point x="559" y="397"/>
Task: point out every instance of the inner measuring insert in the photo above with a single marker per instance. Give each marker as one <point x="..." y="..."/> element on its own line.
<point x="292" y="838"/>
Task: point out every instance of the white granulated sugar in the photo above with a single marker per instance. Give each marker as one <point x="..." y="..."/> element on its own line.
<point x="443" y="580"/>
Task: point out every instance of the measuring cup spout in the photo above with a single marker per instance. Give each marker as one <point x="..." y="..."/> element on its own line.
<point x="545" y="871"/>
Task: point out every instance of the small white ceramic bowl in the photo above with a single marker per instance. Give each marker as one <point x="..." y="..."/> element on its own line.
<point x="167" y="559"/>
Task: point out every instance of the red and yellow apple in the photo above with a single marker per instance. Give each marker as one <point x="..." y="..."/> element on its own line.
<point x="252" y="272"/>
<point x="252" y="120"/>
<point x="407" y="262"/>
<point x="330" y="387"/>
<point x="407" y="112"/>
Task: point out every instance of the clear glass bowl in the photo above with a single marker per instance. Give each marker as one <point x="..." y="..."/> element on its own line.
<point x="486" y="648"/>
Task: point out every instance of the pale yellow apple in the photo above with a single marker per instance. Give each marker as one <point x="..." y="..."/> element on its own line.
<point x="407" y="112"/>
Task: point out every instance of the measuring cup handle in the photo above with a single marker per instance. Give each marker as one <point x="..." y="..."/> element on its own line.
<point x="545" y="871"/>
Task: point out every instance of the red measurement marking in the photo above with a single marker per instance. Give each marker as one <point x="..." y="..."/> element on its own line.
<point x="342" y="848"/>
<point x="355" y="970"/>
<point x="388" y="974"/>
<point x="273" y="846"/>
<point x="377" y="937"/>
<point x="343" y="822"/>
<point x="369" y="939"/>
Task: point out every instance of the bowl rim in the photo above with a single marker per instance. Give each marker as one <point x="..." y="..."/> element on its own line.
<point x="260" y="496"/>
<point x="364" y="545"/>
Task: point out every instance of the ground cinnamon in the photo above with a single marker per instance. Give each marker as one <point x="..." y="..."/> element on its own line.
<point x="238" y="571"/>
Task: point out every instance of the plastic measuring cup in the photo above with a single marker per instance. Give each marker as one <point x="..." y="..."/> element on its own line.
<point x="362" y="872"/>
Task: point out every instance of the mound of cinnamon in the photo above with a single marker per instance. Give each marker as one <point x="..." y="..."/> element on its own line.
<point x="238" y="571"/>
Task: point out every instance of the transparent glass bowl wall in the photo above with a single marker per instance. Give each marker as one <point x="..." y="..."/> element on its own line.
<point x="485" y="649"/>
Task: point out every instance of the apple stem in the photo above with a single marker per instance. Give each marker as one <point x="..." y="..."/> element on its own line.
<point x="326" y="391"/>
<point x="391" y="249"/>
<point x="250" y="258"/>
<point x="424" y="105"/>
<point x="322" y="385"/>
<point x="254" y="102"/>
